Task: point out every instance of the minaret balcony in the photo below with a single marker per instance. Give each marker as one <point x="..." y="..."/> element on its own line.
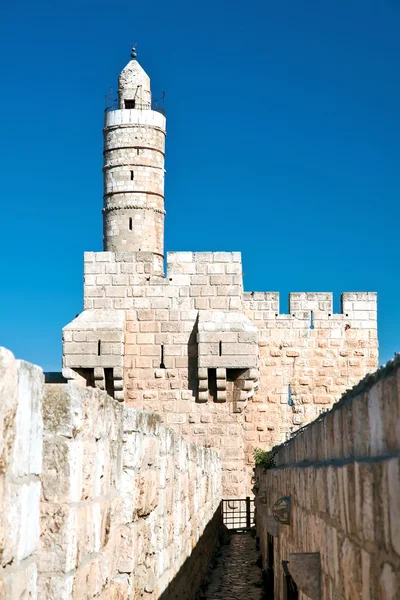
<point x="115" y="116"/>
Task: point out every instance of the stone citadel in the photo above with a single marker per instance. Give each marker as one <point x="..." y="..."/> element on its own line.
<point x="223" y="367"/>
<point x="102" y="498"/>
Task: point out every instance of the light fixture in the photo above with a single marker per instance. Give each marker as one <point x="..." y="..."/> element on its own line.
<point x="281" y="510"/>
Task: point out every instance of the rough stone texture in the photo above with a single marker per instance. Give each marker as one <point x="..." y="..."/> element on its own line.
<point x="125" y="500"/>
<point x="117" y="506"/>
<point x="134" y="151"/>
<point x="236" y="574"/>
<point x="174" y="337"/>
<point x="223" y="367"/>
<point x="342" y="473"/>
<point x="21" y="430"/>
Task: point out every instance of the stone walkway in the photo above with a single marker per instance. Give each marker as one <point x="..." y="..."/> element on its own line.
<point x="236" y="574"/>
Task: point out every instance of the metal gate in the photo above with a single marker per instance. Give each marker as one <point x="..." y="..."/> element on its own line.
<point x="238" y="514"/>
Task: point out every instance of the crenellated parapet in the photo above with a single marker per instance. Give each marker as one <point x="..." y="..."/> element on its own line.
<point x="313" y="309"/>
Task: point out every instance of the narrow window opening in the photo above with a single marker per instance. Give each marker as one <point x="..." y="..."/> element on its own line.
<point x="311" y="319"/>
<point x="130" y="223"/>
<point x="130" y="103"/>
<point x="290" y="399"/>
<point x="212" y="384"/>
<point x="162" y="365"/>
<point x="132" y="176"/>
<point x="220" y="348"/>
<point x="138" y="151"/>
<point x="99" y="348"/>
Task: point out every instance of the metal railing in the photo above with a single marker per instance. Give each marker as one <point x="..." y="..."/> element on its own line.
<point x="238" y="514"/>
<point x="156" y="104"/>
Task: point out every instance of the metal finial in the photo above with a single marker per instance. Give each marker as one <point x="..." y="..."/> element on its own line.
<point x="133" y="52"/>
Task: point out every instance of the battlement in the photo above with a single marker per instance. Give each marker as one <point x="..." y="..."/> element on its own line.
<point x="315" y="308"/>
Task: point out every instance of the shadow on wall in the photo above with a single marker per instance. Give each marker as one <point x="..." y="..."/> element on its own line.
<point x="193" y="359"/>
<point x="190" y="577"/>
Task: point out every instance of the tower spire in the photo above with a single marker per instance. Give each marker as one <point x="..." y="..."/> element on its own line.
<point x="134" y="148"/>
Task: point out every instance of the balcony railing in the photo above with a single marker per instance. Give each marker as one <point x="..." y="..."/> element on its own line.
<point x="156" y="104"/>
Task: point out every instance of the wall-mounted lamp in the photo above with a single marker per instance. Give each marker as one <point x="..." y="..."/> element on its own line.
<point x="281" y="510"/>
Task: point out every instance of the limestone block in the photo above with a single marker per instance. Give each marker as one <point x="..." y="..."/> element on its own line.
<point x="128" y="492"/>
<point x="21" y="520"/>
<point x="62" y="470"/>
<point x="57" y="585"/>
<point x="27" y="449"/>
<point x="89" y="530"/>
<point x="393" y="474"/>
<point x="59" y="528"/>
<point x="203" y="396"/>
<point x="229" y="362"/>
<point x="20" y="583"/>
<point x="120" y="588"/>
<point x="8" y="406"/>
<point x="232" y="349"/>
<point x="127" y="549"/>
<point x="203" y="373"/>
<point x="29" y="518"/>
<point x="375" y="418"/>
<point x="63" y="409"/>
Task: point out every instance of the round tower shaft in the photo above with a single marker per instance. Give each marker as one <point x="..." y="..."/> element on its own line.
<point x="134" y="153"/>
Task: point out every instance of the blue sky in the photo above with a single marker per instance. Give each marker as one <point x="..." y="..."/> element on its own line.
<point x="283" y="143"/>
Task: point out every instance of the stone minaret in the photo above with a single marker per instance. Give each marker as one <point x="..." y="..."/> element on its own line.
<point x="134" y="143"/>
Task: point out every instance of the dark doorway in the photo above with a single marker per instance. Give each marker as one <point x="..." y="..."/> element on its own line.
<point x="269" y="571"/>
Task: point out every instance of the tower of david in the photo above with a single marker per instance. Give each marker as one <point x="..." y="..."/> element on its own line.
<point x="178" y="335"/>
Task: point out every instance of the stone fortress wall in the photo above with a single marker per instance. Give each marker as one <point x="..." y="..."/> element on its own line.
<point x="98" y="500"/>
<point x="165" y="336"/>
<point x="223" y="367"/>
<point x="342" y="475"/>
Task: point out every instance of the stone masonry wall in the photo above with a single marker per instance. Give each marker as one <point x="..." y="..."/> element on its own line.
<point x="342" y="474"/>
<point x="118" y="507"/>
<point x="134" y="152"/>
<point x="21" y="429"/>
<point x="304" y="360"/>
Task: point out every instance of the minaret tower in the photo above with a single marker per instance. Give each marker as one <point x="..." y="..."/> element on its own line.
<point x="134" y="152"/>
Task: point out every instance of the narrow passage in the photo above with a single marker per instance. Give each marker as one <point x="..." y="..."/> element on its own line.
<point x="236" y="574"/>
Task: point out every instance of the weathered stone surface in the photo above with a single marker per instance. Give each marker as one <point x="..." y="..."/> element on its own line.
<point x="21" y="440"/>
<point x="114" y="506"/>
<point x="345" y="507"/>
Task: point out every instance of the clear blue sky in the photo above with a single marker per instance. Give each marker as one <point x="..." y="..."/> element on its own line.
<point x="283" y="143"/>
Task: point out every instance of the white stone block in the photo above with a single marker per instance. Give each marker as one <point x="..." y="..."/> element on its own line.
<point x="28" y="421"/>
<point x="29" y="518"/>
